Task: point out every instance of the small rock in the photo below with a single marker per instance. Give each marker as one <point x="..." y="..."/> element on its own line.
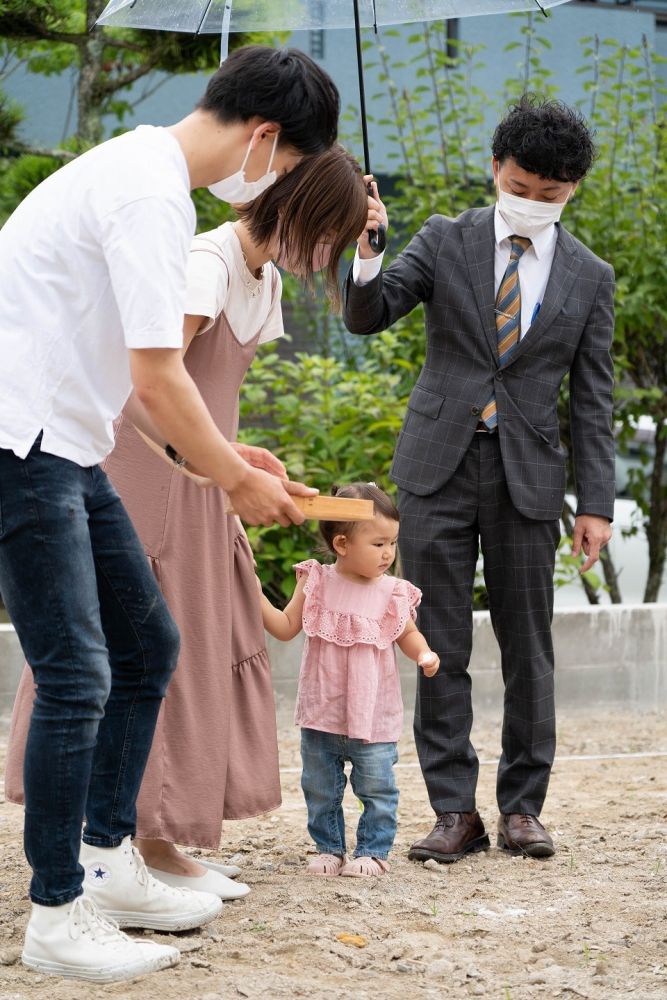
<point x="472" y="972"/>
<point x="539" y="947"/>
<point x="432" y="865"/>
<point x="9" y="956"/>
<point x="600" y="968"/>
<point x="198" y="963"/>
<point x="265" y="866"/>
<point x="536" y="977"/>
<point x="478" y="990"/>
<point x="188" y="946"/>
<point x="408" y="966"/>
<point x="443" y="967"/>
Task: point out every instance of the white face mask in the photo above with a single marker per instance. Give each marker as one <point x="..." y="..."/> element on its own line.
<point x="526" y="217"/>
<point x="236" y="190"/>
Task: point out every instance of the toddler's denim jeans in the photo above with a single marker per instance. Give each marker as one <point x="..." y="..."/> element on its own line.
<point x="323" y="782"/>
<point x="102" y="646"/>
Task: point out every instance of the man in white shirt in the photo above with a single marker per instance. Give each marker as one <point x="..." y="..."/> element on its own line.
<point x="92" y="295"/>
<point x="513" y="304"/>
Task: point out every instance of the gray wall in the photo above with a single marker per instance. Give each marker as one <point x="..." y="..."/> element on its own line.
<point x="609" y="658"/>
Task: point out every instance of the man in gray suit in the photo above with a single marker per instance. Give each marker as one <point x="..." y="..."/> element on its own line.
<point x="513" y="304"/>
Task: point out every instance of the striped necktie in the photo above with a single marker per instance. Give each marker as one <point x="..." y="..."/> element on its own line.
<point x="508" y="318"/>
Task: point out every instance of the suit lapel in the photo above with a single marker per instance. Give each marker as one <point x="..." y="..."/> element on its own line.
<point x="564" y="270"/>
<point x="479" y="243"/>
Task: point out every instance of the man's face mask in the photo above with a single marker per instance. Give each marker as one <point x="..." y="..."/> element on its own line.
<point x="526" y="217"/>
<point x="236" y="190"/>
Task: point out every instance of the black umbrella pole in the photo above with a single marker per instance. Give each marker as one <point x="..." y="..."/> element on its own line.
<point x="376" y="238"/>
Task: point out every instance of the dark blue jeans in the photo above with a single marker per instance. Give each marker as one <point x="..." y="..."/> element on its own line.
<point x="323" y="781"/>
<point x="102" y="646"/>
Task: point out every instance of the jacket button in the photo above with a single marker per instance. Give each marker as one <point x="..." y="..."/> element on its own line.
<point x="499" y="376"/>
<point x="475" y="410"/>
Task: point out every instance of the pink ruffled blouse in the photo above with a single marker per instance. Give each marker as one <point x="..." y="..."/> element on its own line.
<point x="349" y="682"/>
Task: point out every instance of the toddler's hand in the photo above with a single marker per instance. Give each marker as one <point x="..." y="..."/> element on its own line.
<point x="429" y="662"/>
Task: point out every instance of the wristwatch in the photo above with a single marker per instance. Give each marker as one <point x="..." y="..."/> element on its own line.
<point x="172" y="454"/>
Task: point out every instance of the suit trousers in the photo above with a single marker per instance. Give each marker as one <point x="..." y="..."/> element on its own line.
<point x="440" y="539"/>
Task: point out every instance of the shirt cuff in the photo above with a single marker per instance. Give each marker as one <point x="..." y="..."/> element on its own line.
<point x="363" y="271"/>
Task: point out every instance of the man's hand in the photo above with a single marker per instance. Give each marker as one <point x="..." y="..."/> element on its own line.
<point x="591" y="533"/>
<point x="262" y="498"/>
<point x="377" y="215"/>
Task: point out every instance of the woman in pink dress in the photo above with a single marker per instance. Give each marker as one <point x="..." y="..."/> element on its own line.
<point x="349" y="702"/>
<point x="215" y="751"/>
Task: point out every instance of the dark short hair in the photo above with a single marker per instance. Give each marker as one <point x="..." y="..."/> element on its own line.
<point x="323" y="199"/>
<point x="382" y="504"/>
<point x="279" y="85"/>
<point x="547" y="138"/>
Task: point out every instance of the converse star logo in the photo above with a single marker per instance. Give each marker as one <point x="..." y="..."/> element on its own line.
<point x="98" y="873"/>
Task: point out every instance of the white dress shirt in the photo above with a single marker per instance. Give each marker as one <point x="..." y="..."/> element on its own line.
<point x="534" y="266"/>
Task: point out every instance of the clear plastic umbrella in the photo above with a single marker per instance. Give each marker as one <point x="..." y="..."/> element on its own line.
<point x="223" y="16"/>
<point x="212" y="16"/>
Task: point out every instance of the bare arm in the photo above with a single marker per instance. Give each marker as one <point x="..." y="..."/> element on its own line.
<point x="138" y="414"/>
<point x="174" y="405"/>
<point x="288" y="623"/>
<point x="416" y="648"/>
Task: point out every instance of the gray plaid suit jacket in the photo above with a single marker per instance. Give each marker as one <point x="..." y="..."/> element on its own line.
<point x="449" y="266"/>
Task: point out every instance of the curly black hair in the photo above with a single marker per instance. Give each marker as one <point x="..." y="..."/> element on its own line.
<point x="547" y="138"/>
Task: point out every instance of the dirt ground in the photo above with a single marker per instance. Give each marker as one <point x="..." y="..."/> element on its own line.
<point x="590" y="922"/>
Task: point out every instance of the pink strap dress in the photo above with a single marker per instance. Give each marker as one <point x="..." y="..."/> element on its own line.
<point x="349" y="682"/>
<point x="215" y="749"/>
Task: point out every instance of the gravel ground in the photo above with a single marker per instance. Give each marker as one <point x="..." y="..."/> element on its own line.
<point x="590" y="922"/>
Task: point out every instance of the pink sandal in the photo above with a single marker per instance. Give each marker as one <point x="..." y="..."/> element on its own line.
<point x="325" y="865"/>
<point x="365" y="867"/>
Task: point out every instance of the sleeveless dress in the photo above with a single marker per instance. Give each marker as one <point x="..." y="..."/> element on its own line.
<point x="349" y="682"/>
<point x="215" y="750"/>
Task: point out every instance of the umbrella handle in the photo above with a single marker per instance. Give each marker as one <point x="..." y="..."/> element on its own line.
<point x="377" y="238"/>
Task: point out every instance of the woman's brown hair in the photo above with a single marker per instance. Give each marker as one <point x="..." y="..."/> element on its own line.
<point x="322" y="200"/>
<point x="382" y="504"/>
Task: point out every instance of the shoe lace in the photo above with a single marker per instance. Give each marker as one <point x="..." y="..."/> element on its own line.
<point x="527" y="820"/>
<point x="151" y="884"/>
<point x="86" y="916"/>
<point x="445" y="821"/>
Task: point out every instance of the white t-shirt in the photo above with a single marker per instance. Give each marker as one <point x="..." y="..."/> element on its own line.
<point x="250" y="304"/>
<point x="92" y="263"/>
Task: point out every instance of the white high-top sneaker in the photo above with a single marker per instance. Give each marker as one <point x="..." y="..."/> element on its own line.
<point x="117" y="879"/>
<point x="76" y="940"/>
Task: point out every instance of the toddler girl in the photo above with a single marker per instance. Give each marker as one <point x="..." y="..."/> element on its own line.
<point x="349" y="702"/>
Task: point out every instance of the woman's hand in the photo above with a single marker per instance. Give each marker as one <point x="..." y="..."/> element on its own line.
<point x="429" y="662"/>
<point x="377" y="215"/>
<point x="260" y="458"/>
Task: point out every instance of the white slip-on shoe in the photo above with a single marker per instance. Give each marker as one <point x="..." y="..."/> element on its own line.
<point x="211" y="881"/>
<point x="229" y="871"/>
<point x="78" y="941"/>
<point x="117" y="879"/>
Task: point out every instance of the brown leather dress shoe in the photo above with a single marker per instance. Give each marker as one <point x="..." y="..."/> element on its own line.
<point x="453" y="835"/>
<point x="519" y="833"/>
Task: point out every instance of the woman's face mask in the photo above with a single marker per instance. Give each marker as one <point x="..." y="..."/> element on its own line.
<point x="236" y="190"/>
<point x="321" y="256"/>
